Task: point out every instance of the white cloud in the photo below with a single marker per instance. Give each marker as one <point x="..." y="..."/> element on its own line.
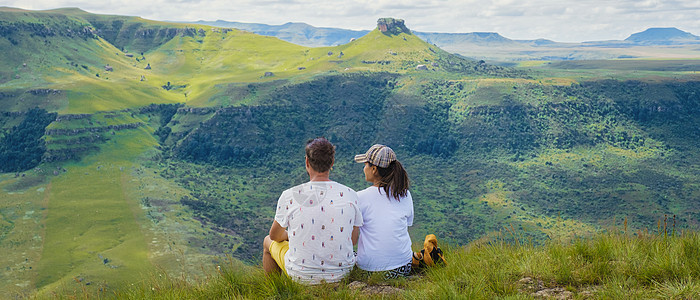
<point x="559" y="20"/>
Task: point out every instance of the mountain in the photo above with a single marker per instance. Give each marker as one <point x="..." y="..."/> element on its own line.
<point x="39" y="47"/>
<point x="89" y="102"/>
<point x="481" y="38"/>
<point x="297" y="33"/>
<point x="489" y="45"/>
<point x="663" y="36"/>
<point x="164" y="146"/>
<point x="307" y="35"/>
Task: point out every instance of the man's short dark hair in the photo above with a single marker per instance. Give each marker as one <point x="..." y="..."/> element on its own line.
<point x="321" y="154"/>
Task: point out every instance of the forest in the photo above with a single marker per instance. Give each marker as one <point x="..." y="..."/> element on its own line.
<point x="22" y="146"/>
<point x="238" y="161"/>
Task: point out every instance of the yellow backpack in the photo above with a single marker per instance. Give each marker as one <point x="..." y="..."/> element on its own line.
<point x="434" y="254"/>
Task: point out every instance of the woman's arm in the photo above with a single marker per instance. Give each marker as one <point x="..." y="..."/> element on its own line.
<point x="355" y="235"/>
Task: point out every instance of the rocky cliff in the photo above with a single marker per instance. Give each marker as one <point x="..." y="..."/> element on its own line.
<point x="392" y="26"/>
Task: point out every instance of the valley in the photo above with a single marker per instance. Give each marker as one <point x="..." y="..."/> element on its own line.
<point x="162" y="147"/>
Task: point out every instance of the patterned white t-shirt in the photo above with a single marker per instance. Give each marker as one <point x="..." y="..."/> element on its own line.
<point x="319" y="217"/>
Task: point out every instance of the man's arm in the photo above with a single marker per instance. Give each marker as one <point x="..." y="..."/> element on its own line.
<point x="355" y="235"/>
<point x="278" y="233"/>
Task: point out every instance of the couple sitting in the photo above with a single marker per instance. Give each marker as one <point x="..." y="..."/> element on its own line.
<point x="317" y="223"/>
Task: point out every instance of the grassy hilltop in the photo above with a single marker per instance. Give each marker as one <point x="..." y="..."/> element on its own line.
<point x="611" y="266"/>
<point x="168" y="144"/>
<point x="68" y="49"/>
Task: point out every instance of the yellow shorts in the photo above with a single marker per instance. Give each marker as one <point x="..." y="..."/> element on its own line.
<point x="278" y="250"/>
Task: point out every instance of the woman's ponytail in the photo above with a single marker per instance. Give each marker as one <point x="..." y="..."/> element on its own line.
<point x="394" y="180"/>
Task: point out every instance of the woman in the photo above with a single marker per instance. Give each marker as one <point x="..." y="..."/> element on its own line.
<point x="387" y="210"/>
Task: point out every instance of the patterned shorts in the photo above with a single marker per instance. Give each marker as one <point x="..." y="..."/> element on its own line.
<point x="401" y="271"/>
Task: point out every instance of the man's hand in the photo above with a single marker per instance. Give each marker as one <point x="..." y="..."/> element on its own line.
<point x="278" y="233"/>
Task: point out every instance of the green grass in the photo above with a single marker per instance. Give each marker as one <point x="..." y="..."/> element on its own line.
<point x="198" y="66"/>
<point x="135" y="220"/>
<point x="95" y="223"/>
<point x="22" y="209"/>
<point x="602" y="267"/>
<point x="668" y="65"/>
<point x="202" y="66"/>
<point x="628" y="69"/>
<point x="92" y="228"/>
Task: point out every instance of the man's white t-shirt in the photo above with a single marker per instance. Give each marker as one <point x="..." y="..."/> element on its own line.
<point x="319" y="217"/>
<point x="384" y="242"/>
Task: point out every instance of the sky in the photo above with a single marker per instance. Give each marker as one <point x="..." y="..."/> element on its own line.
<point x="558" y="20"/>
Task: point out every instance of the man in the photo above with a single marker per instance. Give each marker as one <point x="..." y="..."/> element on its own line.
<point x="316" y="224"/>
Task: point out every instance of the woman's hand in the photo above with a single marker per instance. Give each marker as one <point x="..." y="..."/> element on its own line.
<point x="355" y="235"/>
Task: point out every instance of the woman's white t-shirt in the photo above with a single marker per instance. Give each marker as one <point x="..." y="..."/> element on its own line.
<point x="384" y="243"/>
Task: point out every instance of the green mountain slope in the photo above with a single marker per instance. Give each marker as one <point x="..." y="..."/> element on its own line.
<point x="59" y="62"/>
<point x="554" y="161"/>
<point x="137" y="62"/>
<point x="174" y="157"/>
<point x="104" y="219"/>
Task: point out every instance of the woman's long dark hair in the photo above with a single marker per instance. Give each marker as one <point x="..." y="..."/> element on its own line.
<point x="394" y="179"/>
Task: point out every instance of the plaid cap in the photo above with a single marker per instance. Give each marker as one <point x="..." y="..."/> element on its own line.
<point x="378" y="155"/>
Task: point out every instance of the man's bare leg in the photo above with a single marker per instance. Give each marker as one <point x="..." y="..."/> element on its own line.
<point x="269" y="264"/>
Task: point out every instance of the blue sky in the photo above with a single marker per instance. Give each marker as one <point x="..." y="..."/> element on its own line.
<point x="559" y="20"/>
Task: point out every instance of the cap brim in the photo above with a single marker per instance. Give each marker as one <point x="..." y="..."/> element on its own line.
<point x="361" y="158"/>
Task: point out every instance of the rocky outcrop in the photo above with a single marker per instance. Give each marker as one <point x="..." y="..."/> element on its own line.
<point x="139" y="37"/>
<point x="91" y="139"/>
<point x="44" y="92"/>
<point x="392" y="26"/>
<point x="537" y="289"/>
<point x="76" y="131"/>
<point x="155" y="33"/>
<point x="74" y="143"/>
<point x="379" y="291"/>
<point x="73" y="117"/>
<point x="379" y="62"/>
<point x="196" y="110"/>
<point x="62" y="27"/>
<point x="12" y="114"/>
<point x="67" y="154"/>
<point x="7" y="95"/>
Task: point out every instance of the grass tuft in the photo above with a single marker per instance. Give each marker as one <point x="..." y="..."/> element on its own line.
<point x="607" y="266"/>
